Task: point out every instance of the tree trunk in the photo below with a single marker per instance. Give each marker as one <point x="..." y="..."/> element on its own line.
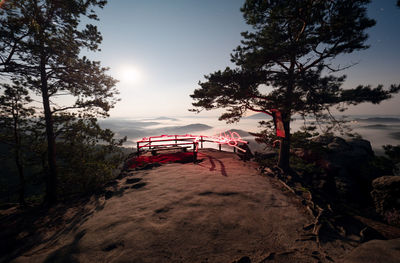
<point x="51" y="177"/>
<point x="18" y="163"/>
<point x="284" y="151"/>
<point x="21" y="179"/>
<point x="286" y="112"/>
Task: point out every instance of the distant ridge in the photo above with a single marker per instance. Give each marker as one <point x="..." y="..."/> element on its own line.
<point x="258" y="116"/>
<point x="379" y="119"/>
<point x="183" y="129"/>
<point x="163" y="118"/>
<point x="376" y="126"/>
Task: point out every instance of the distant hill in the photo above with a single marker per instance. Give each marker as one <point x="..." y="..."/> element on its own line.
<point x="379" y="119"/>
<point x="183" y="129"/>
<point x="143" y="132"/>
<point x="116" y="124"/>
<point x="376" y="126"/>
<point x="258" y="116"/>
<point x="162" y="118"/>
<point x="263" y="116"/>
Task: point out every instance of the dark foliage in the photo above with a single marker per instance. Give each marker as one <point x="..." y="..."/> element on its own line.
<point x="88" y="156"/>
<point x="14" y="113"/>
<point x="393" y="152"/>
<point x="40" y="42"/>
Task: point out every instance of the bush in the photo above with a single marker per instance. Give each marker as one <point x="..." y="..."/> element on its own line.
<point x="393" y="152"/>
<point x="265" y="160"/>
<point x="303" y="167"/>
<point x="88" y="156"/>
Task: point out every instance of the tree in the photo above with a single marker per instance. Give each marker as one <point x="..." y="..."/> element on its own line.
<point x="88" y="155"/>
<point x="14" y="119"/>
<point x="41" y="41"/>
<point x="284" y="63"/>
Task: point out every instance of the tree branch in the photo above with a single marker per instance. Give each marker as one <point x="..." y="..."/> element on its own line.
<point x="257" y="110"/>
<point x="301" y="31"/>
<point x="66" y="108"/>
<point x="321" y="57"/>
<point x="339" y="68"/>
<point x="281" y="64"/>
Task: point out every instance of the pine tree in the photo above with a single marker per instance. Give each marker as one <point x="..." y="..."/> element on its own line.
<point x="41" y="41"/>
<point x="284" y="63"/>
<point x="14" y="119"/>
<point x="88" y="155"/>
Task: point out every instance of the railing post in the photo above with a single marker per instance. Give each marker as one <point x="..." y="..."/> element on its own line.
<point x="201" y="141"/>
<point x="176" y="142"/>
<point x="137" y="148"/>
<point x="234" y="149"/>
<point x="219" y="147"/>
<point x="195" y="144"/>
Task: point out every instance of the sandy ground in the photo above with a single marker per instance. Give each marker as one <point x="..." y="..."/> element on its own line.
<point x="218" y="210"/>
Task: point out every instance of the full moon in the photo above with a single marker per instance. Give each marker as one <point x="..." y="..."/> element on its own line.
<point x="129" y="74"/>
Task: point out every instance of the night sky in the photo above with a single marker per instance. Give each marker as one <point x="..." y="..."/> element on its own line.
<point x="159" y="50"/>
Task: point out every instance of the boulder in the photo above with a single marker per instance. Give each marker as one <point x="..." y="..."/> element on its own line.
<point x="386" y="193"/>
<point x="338" y="144"/>
<point x="375" y="251"/>
<point x="361" y="145"/>
<point x="346" y="163"/>
<point x="348" y="153"/>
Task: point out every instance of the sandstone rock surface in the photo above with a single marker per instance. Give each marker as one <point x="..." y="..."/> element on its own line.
<point x="375" y="251"/>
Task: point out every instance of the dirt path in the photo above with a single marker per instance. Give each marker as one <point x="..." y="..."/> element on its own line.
<point x="219" y="210"/>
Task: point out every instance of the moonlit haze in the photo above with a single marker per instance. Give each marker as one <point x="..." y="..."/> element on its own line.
<point x="159" y="50"/>
<point x="129" y="75"/>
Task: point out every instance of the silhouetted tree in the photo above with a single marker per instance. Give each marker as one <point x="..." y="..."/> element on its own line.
<point x="285" y="60"/>
<point x="88" y="155"/>
<point x="41" y="41"/>
<point x="14" y="119"/>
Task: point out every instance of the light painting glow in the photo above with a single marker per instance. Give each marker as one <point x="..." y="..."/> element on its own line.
<point x="228" y="138"/>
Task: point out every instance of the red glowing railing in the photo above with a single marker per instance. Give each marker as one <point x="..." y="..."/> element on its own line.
<point x="156" y="142"/>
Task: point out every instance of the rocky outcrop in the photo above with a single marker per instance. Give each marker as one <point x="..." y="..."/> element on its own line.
<point x="386" y="196"/>
<point x="375" y="251"/>
<point x="347" y="174"/>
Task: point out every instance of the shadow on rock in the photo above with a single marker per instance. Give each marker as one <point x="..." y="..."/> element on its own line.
<point x="26" y="229"/>
<point x="66" y="254"/>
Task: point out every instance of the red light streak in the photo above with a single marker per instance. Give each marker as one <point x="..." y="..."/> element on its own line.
<point x="231" y="139"/>
<point x="228" y="138"/>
